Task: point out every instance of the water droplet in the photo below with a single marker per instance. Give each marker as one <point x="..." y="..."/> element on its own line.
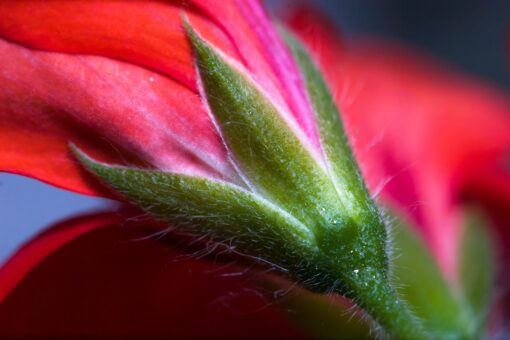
<point x="356" y="271"/>
<point x="151" y="79"/>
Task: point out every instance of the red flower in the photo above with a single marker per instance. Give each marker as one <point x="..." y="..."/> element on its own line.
<point x="117" y="79"/>
<point x="431" y="140"/>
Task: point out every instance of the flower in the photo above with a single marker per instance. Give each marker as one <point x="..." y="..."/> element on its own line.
<point x="246" y="135"/>
<point x="239" y="137"/>
<point x="77" y="101"/>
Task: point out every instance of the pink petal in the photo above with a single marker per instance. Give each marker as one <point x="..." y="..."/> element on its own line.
<point x="266" y="57"/>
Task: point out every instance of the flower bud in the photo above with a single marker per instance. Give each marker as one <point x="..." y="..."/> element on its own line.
<point x="301" y="209"/>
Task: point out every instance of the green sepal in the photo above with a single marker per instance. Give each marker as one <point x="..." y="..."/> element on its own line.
<point x="224" y="212"/>
<point x="271" y="157"/>
<point x="423" y="286"/>
<point x="476" y="267"/>
<point x="340" y="161"/>
<point x="448" y="310"/>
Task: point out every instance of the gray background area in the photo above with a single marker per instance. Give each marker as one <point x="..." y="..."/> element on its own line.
<point x="27" y="206"/>
<point x="468" y="34"/>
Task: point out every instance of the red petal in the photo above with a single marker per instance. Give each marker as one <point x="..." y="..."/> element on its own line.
<point x="49" y="99"/>
<point x="109" y="283"/>
<point x="420" y="132"/>
<point x="145" y="32"/>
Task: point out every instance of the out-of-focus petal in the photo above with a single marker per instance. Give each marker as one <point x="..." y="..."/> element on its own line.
<point x="322" y="38"/>
<point x="106" y="107"/>
<point x="26" y="259"/>
<point x="492" y="190"/>
<point x="441" y="128"/>
<point x="112" y="283"/>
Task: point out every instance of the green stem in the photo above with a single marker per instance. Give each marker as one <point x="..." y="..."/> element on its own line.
<point x="380" y="301"/>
